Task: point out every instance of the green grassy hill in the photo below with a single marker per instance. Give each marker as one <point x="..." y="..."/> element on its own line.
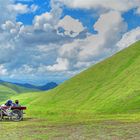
<point x="109" y="87"/>
<point x="7" y="90"/>
<point x="18" y="88"/>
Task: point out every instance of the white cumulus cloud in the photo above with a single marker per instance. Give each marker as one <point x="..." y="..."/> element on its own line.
<point x="19" y="8"/>
<point x="71" y="26"/>
<point x="81" y="52"/>
<point x="119" y="5"/>
<point x="129" y="38"/>
<point x="3" y="70"/>
<point x="57" y="44"/>
<point x="62" y="64"/>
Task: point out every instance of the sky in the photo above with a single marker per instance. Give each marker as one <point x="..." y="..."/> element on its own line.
<point x="53" y="40"/>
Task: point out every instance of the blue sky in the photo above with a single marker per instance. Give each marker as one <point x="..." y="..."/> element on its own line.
<point x="44" y="6"/>
<point x="85" y="16"/>
<point x="53" y="40"/>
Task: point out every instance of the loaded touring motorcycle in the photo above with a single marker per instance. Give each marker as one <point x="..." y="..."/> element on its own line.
<point x="12" y="113"/>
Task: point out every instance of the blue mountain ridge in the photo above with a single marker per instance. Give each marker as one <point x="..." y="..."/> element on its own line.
<point x="47" y="86"/>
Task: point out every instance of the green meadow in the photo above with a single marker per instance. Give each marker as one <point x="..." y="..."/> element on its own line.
<point x="101" y="103"/>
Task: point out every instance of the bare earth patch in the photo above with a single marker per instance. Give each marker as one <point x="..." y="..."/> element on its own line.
<point x="36" y="129"/>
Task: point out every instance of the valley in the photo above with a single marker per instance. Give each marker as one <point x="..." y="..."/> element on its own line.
<point x="102" y="102"/>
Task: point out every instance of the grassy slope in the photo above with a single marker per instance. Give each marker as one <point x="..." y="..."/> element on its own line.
<point x="7" y="90"/>
<point x="110" y="87"/>
<point x="19" y="89"/>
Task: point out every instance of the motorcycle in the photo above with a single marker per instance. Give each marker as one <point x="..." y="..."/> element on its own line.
<point x="13" y="113"/>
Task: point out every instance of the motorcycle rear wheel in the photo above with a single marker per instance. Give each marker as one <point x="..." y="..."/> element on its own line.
<point x="16" y="115"/>
<point x="1" y="115"/>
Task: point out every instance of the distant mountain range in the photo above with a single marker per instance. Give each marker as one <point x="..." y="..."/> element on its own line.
<point x="47" y="86"/>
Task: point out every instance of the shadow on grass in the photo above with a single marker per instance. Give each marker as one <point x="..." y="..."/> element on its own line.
<point x="23" y="120"/>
